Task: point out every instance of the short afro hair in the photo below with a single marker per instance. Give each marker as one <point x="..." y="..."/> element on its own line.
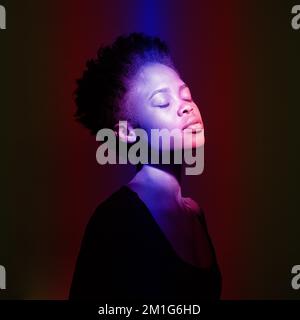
<point x="104" y="82"/>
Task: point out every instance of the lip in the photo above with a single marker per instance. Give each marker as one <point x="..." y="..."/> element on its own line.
<point x="195" y="125"/>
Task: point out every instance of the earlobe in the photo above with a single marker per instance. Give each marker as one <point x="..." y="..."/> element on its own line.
<point x="131" y="137"/>
<point x="125" y="132"/>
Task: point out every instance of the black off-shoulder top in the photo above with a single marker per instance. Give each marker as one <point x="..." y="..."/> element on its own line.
<point x="125" y="256"/>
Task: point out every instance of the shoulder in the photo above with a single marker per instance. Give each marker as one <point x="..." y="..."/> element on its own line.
<point x="113" y="207"/>
<point x="108" y="239"/>
<point x="112" y="217"/>
<point x="116" y="200"/>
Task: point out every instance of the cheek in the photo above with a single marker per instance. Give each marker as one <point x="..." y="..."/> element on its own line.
<point x="166" y="120"/>
<point x="147" y="121"/>
<point x="158" y="119"/>
<point x="197" y="110"/>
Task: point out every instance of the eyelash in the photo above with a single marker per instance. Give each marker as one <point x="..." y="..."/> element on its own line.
<point x="164" y="105"/>
<point x="189" y="99"/>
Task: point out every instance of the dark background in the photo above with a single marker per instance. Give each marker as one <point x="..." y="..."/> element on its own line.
<point x="241" y="61"/>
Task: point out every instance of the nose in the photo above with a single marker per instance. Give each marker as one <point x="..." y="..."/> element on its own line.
<point x="184" y="108"/>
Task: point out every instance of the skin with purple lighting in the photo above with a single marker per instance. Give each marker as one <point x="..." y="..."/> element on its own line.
<point x="159" y="99"/>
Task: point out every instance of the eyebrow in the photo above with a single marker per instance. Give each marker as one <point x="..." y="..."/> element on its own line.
<point x="166" y="90"/>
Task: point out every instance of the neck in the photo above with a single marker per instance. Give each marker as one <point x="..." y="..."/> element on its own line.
<point x="161" y="178"/>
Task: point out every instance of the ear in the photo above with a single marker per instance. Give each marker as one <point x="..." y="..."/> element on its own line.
<point x="125" y="131"/>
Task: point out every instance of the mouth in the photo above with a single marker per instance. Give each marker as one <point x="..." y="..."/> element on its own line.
<point x="194" y="127"/>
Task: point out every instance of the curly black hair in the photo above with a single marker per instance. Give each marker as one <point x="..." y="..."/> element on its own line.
<point x="102" y="87"/>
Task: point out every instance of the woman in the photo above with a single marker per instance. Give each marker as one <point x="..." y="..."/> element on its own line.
<point x="146" y="241"/>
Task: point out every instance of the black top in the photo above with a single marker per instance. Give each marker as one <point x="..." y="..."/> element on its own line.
<point x="125" y="255"/>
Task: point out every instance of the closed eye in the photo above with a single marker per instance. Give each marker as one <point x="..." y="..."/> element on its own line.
<point x="164" y="105"/>
<point x="161" y="100"/>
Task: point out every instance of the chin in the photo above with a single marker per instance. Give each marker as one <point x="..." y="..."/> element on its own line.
<point x="199" y="143"/>
<point x="193" y="140"/>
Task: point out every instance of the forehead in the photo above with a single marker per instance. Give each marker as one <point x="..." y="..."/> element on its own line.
<point x="154" y="76"/>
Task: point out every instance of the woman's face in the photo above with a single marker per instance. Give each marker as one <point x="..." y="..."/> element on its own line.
<point x="159" y="99"/>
